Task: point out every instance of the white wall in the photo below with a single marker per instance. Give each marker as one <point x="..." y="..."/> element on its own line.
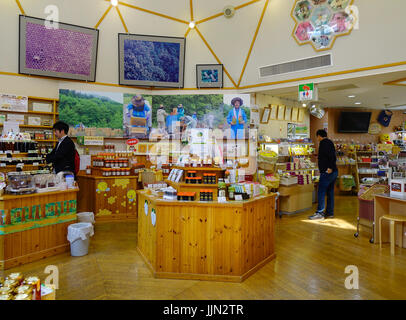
<point x="379" y="39"/>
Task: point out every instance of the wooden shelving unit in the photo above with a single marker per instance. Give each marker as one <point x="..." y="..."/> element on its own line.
<point x="53" y="115"/>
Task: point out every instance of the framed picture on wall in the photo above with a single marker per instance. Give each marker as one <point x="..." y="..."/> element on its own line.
<point x="288" y="113"/>
<point x="209" y="76"/>
<point x="281" y="112"/>
<point x="68" y="52"/>
<point x="295" y="112"/>
<point x="153" y="61"/>
<point x="274" y="112"/>
<point x="265" y="115"/>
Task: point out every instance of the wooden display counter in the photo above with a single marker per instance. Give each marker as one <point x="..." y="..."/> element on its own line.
<point x="205" y="241"/>
<point x="35" y="226"/>
<point x="385" y="204"/>
<point x="296" y="198"/>
<point x="109" y="198"/>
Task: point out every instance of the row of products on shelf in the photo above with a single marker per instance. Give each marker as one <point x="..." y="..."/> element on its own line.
<point x="4" y="161"/>
<point x="22" y="146"/>
<point x="116" y="163"/>
<point x="28" y="182"/>
<point x="16" y="287"/>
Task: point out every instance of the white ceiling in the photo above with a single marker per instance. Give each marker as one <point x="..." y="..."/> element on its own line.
<point x="370" y="91"/>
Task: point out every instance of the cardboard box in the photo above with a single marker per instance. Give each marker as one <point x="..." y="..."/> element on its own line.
<point x="42" y="107"/>
<point x="34" y="121"/>
<point x="19" y="118"/>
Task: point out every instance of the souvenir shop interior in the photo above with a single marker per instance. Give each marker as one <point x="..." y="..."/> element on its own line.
<point x="197" y="168"/>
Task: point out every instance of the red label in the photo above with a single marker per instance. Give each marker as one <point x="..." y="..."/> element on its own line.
<point x="132" y="142"/>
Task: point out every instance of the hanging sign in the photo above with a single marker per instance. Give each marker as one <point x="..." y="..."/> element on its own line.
<point x="132" y="142"/>
<point x="308" y="92"/>
<point x="90" y="141"/>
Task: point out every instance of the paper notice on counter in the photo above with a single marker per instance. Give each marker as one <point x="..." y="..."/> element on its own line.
<point x="85" y="161"/>
<point x="222" y="199"/>
<point x="11" y="126"/>
<point x="238" y="197"/>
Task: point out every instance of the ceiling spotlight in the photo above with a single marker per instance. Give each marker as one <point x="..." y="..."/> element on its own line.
<point x="192" y="24"/>
<point x="352" y="96"/>
<point x="304" y="105"/>
<point x="357" y="102"/>
<point x="114" y="3"/>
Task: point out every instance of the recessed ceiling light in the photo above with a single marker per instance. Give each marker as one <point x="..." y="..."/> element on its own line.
<point x="192" y="24"/>
<point x="114" y="3"/>
<point x="357" y="102"/>
<point x="352" y="96"/>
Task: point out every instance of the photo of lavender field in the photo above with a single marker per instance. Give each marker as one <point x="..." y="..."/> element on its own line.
<point x="66" y="52"/>
<point x="152" y="61"/>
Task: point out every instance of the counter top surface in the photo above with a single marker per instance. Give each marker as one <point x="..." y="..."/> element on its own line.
<point x="89" y="176"/>
<point x="388" y="196"/>
<point x="37" y="194"/>
<point x="204" y="204"/>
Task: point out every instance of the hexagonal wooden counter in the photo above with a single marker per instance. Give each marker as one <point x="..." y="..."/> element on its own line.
<point x="205" y="241"/>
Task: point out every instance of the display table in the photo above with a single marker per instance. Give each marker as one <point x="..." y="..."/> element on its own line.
<point x="205" y="241"/>
<point x="35" y="226"/>
<point x="109" y="198"/>
<point x="296" y="198"/>
<point x="385" y="204"/>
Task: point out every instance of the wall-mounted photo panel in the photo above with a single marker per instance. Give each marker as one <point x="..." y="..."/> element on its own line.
<point x="68" y="52"/>
<point x="153" y="61"/>
<point x="281" y="112"/>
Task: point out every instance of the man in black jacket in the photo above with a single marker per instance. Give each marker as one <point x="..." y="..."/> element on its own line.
<point x="328" y="176"/>
<point x="63" y="155"/>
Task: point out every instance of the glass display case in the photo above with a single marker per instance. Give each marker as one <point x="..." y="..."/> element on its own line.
<point x="20" y="183"/>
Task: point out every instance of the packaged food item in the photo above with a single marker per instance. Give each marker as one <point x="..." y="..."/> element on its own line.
<point x="11" y="283"/>
<point x="6" y="297"/>
<point x="35" y="282"/>
<point x="6" y="290"/>
<point x="27" y="289"/>
<point x="23" y="296"/>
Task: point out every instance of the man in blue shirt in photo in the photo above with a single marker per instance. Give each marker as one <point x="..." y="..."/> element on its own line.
<point x="139" y="108"/>
<point x="237" y="119"/>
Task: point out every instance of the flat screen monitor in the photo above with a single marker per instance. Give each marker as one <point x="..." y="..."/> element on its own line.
<point x="354" y="122"/>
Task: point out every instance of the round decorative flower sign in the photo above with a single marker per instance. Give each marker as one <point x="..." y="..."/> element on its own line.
<point x="320" y="22"/>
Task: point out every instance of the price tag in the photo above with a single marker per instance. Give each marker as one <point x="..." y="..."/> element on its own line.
<point x="35" y="164"/>
<point x="238" y="197"/>
<point x="222" y="199"/>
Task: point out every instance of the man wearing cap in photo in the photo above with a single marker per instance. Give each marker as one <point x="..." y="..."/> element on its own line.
<point x="181" y="111"/>
<point x="139" y="108"/>
<point x="161" y="116"/>
<point x="237" y="119"/>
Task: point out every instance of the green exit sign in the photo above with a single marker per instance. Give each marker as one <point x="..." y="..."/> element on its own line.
<point x="308" y="92"/>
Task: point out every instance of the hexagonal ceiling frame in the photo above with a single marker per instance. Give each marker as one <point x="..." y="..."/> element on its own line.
<point x="297" y="23"/>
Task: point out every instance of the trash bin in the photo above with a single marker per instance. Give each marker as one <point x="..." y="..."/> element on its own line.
<point x="79" y="237"/>
<point x="86" y="217"/>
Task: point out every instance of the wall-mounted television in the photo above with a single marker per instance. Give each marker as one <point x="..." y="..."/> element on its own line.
<point x="354" y="122"/>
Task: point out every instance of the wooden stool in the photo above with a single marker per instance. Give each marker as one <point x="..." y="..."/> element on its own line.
<point x="392" y="220"/>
